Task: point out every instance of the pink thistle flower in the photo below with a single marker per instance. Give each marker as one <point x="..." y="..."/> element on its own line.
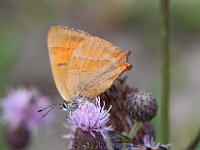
<point x="88" y="123"/>
<point x="90" y="117"/>
<point x="21" y="106"/>
<point x="148" y="141"/>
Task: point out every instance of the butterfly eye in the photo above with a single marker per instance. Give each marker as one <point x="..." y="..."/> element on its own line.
<point x="65" y="107"/>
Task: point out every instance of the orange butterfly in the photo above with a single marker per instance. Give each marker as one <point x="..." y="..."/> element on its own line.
<point x="83" y="65"/>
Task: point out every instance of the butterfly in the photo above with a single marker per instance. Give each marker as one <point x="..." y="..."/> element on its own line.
<point x="83" y="66"/>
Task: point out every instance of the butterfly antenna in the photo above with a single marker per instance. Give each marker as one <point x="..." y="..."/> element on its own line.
<point x="49" y="111"/>
<point x="51" y="107"/>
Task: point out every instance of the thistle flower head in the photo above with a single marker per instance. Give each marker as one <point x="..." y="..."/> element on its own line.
<point x="90" y="117"/>
<point x="141" y="106"/>
<point x="21" y="106"/>
<point x="149" y="142"/>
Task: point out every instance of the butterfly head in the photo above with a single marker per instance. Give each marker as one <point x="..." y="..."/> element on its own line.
<point x="73" y="105"/>
<point x="67" y="103"/>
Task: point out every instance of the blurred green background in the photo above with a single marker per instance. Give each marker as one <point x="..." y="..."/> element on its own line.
<point x="130" y="24"/>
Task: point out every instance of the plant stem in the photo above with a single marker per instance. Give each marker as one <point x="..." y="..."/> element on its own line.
<point x="194" y="143"/>
<point x="164" y="103"/>
<point x="134" y="129"/>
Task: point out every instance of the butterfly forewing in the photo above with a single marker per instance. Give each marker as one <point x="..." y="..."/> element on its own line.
<point x="93" y="67"/>
<point x="61" y="44"/>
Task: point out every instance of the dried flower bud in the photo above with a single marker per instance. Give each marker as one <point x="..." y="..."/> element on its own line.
<point x="141" y="106"/>
<point x="84" y="140"/>
<point x="116" y="96"/>
<point x="17" y="138"/>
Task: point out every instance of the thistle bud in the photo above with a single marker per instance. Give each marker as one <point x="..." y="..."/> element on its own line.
<point x="84" y="140"/>
<point x="17" y="138"/>
<point x="141" y="106"/>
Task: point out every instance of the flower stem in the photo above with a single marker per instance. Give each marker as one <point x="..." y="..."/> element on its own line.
<point x="194" y="143"/>
<point x="164" y="103"/>
<point x="134" y="129"/>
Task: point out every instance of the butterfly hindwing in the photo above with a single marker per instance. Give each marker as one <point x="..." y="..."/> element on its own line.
<point x="93" y="67"/>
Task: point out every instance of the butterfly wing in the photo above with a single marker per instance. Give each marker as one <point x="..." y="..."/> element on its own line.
<point x="61" y="44"/>
<point x="93" y="67"/>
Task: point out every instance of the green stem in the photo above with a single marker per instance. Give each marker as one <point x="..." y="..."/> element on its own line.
<point x="134" y="129"/>
<point x="164" y="103"/>
<point x="194" y="143"/>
